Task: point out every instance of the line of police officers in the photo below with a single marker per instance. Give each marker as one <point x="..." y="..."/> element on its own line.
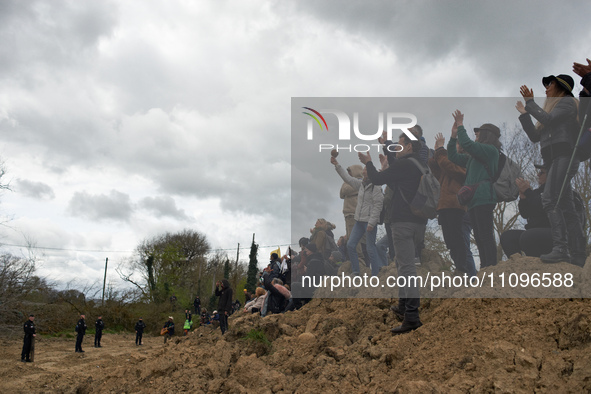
<point x="27" y="355"/>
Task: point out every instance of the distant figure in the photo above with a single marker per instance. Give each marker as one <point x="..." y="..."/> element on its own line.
<point x="169" y="326"/>
<point x="223" y="290"/>
<point x="173" y="302"/>
<point x="187" y="326"/>
<point x="29" y="328"/>
<point x="81" y="331"/>
<point x="197" y="305"/>
<point x="187" y="314"/>
<point x="139" y="331"/>
<point x="99" y="326"/>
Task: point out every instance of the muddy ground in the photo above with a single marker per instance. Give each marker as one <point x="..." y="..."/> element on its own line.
<point x="330" y="346"/>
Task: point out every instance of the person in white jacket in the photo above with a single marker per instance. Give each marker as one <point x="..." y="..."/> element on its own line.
<point x="367" y="215"/>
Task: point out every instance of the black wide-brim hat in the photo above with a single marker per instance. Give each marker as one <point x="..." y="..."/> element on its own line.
<point x="565" y="81"/>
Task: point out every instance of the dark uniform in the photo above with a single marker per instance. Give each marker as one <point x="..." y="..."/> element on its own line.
<point x="28" y="341"/>
<point x="81" y="330"/>
<point x="99" y="326"/>
<point x="139" y="331"/>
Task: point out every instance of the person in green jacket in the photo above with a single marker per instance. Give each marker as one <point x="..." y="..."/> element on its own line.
<point x="481" y="161"/>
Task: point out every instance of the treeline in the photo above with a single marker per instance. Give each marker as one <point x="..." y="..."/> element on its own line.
<point x="165" y="274"/>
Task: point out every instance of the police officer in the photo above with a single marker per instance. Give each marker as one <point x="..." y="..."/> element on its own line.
<point x="28" y="341"/>
<point x="99" y="326"/>
<point x="139" y="331"/>
<point x="81" y="331"/>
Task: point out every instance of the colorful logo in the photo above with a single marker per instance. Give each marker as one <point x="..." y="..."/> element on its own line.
<point x="315" y="118"/>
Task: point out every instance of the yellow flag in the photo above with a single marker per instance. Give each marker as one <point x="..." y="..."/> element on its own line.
<point x="278" y="251"/>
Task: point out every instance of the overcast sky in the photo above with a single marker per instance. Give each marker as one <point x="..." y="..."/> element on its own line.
<point x="123" y="120"/>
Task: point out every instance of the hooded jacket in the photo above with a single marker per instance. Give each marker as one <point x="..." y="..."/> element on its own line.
<point x="369" y="200"/>
<point x="349" y="193"/>
<point x="225" y="294"/>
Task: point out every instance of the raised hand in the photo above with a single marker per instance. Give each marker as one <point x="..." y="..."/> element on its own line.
<point x="384" y="162"/>
<point x="334" y="161"/>
<point x="520" y="107"/>
<point x="582" y="69"/>
<point x="364" y="158"/>
<point x="527" y="93"/>
<point x="383" y="138"/>
<point x="459" y="120"/>
<point x="439" y="140"/>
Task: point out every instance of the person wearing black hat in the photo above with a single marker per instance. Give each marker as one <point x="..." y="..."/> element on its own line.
<point x="139" y="331"/>
<point x="557" y="130"/>
<point x="29" y="328"/>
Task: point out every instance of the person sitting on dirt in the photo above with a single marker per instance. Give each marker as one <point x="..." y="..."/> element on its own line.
<point x="215" y="319"/>
<point x="336" y="258"/>
<point x="277" y="295"/>
<point x="536" y="239"/>
<point x="256" y="304"/>
<point x="169" y="325"/>
<point x="205" y="318"/>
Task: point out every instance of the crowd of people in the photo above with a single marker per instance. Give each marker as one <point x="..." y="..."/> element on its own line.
<point x="466" y="170"/>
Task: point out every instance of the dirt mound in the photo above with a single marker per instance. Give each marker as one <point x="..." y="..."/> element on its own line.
<point x="337" y="345"/>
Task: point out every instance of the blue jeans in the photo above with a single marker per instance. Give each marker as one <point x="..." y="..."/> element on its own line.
<point x="359" y="229"/>
<point x="382" y="248"/>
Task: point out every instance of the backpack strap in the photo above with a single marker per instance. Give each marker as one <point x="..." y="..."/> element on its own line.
<point x="423" y="172"/>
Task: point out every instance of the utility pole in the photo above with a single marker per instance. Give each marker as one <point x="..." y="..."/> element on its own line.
<point x="104" y="282"/>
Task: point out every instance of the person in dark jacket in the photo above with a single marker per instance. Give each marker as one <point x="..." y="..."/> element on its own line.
<point x="139" y="331"/>
<point x="556" y="130"/>
<point x="223" y="290"/>
<point x="277" y="295"/>
<point x="197" y="305"/>
<point x="169" y="325"/>
<point x="29" y="328"/>
<point x="403" y="177"/>
<point x="481" y="161"/>
<point x="99" y="326"/>
<point x="81" y="331"/>
<point x="584" y="71"/>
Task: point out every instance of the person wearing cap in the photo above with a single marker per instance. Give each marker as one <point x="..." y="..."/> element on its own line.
<point x="139" y="331"/>
<point x="80" y="332"/>
<point x="403" y="176"/>
<point x="557" y="130"/>
<point x="29" y="328"/>
<point x="169" y="325"/>
<point x="481" y="157"/>
<point x="367" y="215"/>
<point x="99" y="326"/>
